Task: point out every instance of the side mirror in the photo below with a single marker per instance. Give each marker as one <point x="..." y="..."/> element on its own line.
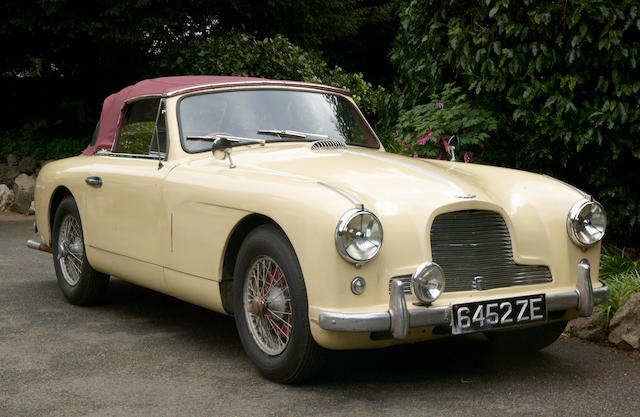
<point x="221" y="149"/>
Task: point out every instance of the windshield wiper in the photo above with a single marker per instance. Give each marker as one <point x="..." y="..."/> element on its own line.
<point x="228" y="137"/>
<point x="291" y="134"/>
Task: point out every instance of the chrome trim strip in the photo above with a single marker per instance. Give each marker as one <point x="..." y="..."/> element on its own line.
<point x="104" y="152"/>
<point x="257" y="83"/>
<point x="342" y="193"/>
<point x="432" y="316"/>
<point x="409" y="166"/>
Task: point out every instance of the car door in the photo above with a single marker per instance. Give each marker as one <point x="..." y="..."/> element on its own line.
<point x="127" y="222"/>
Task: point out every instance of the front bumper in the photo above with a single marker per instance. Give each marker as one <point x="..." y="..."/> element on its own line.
<point x="398" y="319"/>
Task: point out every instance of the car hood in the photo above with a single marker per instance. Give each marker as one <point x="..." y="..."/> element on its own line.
<point x="396" y="183"/>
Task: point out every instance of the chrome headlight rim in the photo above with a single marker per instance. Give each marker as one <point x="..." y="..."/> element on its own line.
<point x="341" y="230"/>
<point x="573" y="222"/>
<point x="418" y="273"/>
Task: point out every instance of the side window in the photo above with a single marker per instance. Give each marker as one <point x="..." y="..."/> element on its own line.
<point x="138" y="127"/>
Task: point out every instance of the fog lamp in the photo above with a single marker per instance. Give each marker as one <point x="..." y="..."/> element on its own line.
<point x="427" y="282"/>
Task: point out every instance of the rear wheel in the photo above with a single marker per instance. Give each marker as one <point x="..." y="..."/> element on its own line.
<point x="78" y="281"/>
<point x="270" y="308"/>
<point x="530" y="339"/>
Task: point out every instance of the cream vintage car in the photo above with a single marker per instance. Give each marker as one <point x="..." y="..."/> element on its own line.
<point x="274" y="201"/>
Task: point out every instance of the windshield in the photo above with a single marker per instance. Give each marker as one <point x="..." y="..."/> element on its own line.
<point x="270" y="114"/>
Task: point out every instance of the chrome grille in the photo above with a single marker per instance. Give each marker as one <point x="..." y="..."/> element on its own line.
<point x="322" y="145"/>
<point x="473" y="247"/>
<point x="406" y="284"/>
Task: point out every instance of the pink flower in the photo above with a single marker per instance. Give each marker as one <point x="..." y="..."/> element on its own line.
<point x="397" y="132"/>
<point x="439" y="156"/>
<point x="400" y="141"/>
<point x="481" y="145"/>
<point x="467" y="156"/>
<point x="446" y="145"/>
<point x="415" y="154"/>
<point x="425" y="138"/>
<point x="407" y="146"/>
<point x="439" y="104"/>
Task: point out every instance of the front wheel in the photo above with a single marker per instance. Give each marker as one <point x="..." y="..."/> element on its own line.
<point x="271" y="310"/>
<point x="78" y="281"/>
<point x="529" y="339"/>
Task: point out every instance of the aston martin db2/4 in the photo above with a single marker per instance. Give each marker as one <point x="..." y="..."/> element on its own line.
<point x="269" y="200"/>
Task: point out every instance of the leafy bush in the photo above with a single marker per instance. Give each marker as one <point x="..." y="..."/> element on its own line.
<point x="239" y="53"/>
<point x="424" y="130"/>
<point x="614" y="261"/>
<point x="32" y="140"/>
<point x="560" y="77"/>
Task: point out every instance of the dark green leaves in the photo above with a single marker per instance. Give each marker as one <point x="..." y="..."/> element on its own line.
<point x="560" y="78"/>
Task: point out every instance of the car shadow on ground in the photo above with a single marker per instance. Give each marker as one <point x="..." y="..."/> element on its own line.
<point x="459" y="360"/>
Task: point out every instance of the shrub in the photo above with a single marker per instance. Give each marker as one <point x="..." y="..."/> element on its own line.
<point x="560" y="78"/>
<point x="239" y="53"/>
<point x="424" y="130"/>
<point x="32" y="140"/>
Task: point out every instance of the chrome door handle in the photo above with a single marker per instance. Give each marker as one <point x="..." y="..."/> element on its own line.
<point x="94" y="181"/>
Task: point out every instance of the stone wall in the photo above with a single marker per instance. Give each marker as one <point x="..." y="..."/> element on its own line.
<point x="17" y="184"/>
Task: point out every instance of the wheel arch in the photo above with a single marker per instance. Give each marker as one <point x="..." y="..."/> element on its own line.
<point x="240" y="232"/>
<point x="56" y="198"/>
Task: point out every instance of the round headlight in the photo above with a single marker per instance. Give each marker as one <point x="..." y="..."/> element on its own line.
<point x="586" y="222"/>
<point x="427" y="282"/>
<point x="358" y="235"/>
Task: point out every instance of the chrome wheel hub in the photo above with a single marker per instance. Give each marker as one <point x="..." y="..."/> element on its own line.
<point x="267" y="305"/>
<point x="70" y="250"/>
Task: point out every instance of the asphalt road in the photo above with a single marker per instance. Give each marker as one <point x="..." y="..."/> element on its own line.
<point x="143" y="353"/>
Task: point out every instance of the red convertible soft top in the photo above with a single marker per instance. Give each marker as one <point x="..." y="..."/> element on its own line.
<point x="167" y="87"/>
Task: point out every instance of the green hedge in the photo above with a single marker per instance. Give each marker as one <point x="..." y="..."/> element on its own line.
<point x="561" y="77"/>
<point x="33" y="140"/>
<point x="239" y="53"/>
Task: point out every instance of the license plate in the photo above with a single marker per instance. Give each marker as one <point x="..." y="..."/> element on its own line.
<point x="501" y="313"/>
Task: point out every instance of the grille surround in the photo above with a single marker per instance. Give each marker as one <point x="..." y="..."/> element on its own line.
<point x="473" y="247"/>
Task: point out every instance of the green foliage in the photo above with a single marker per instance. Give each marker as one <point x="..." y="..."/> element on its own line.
<point x="614" y="261"/>
<point x="423" y="131"/>
<point x="239" y="53"/>
<point x="561" y="78"/>
<point x="620" y="287"/>
<point x="136" y="137"/>
<point x="621" y="274"/>
<point x="31" y="141"/>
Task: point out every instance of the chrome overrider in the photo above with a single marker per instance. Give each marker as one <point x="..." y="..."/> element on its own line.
<point x="398" y="319"/>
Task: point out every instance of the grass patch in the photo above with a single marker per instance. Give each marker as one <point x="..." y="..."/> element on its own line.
<point x="621" y="274"/>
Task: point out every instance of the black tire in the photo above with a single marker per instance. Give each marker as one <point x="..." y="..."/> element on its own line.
<point x="529" y="340"/>
<point x="88" y="286"/>
<point x="301" y="357"/>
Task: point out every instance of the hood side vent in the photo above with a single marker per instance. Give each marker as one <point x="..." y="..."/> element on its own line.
<point x="323" y="145"/>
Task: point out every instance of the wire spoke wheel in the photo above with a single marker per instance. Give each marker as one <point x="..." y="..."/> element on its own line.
<point x="267" y="305"/>
<point x="70" y="250"/>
